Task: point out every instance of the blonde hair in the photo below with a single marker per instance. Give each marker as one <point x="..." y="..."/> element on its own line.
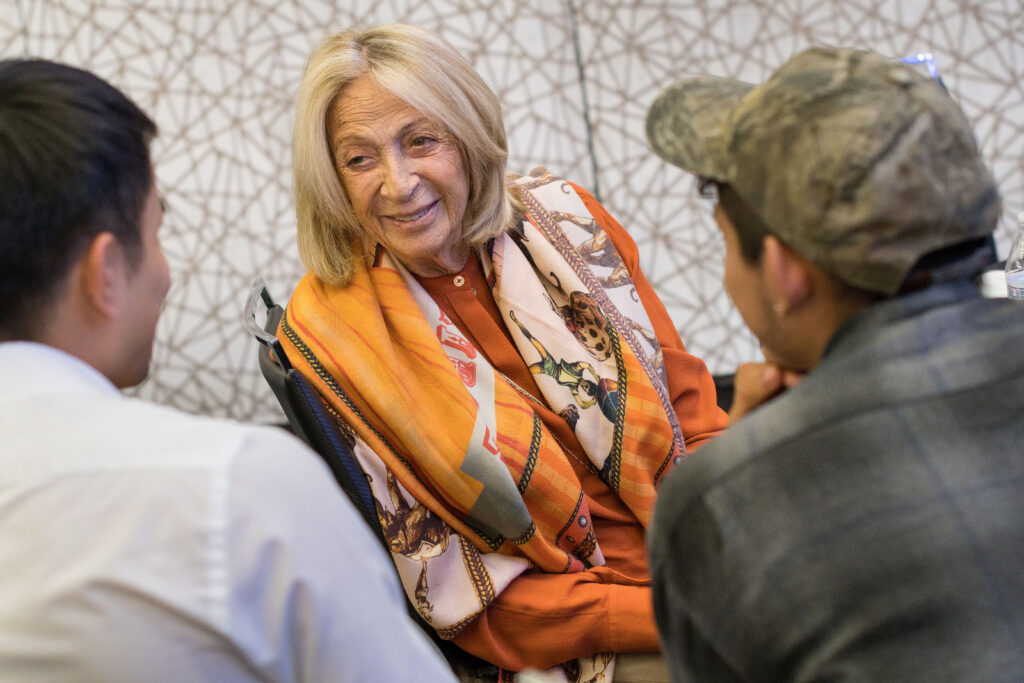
<point x="429" y="75"/>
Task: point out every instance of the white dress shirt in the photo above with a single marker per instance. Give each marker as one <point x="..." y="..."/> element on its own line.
<point x="138" y="543"/>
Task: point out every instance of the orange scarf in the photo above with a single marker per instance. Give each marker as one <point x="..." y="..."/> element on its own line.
<point x="446" y="438"/>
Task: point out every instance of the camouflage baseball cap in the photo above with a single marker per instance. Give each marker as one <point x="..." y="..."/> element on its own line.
<point x="860" y="163"/>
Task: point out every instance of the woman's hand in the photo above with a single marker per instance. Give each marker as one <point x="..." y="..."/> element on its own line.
<point x="756" y="383"/>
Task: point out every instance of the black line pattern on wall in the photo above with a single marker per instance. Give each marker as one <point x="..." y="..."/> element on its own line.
<point x="219" y="78"/>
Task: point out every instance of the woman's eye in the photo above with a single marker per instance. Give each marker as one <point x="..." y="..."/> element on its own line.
<point x="355" y="161"/>
<point x="422" y="141"/>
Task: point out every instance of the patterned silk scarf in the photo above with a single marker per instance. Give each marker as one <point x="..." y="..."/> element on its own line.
<point x="471" y="488"/>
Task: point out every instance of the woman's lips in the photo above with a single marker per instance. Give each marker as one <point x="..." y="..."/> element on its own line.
<point x="415" y="216"/>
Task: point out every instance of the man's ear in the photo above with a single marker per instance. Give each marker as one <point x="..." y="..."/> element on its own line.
<point x="104" y="275"/>
<point x="788" y="279"/>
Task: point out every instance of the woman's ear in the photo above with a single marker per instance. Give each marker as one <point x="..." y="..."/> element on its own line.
<point x="104" y="276"/>
<point x="787" y="274"/>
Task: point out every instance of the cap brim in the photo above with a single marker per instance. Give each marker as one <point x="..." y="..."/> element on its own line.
<point x="687" y="122"/>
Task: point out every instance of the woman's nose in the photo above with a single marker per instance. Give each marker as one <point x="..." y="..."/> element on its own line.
<point x="400" y="179"/>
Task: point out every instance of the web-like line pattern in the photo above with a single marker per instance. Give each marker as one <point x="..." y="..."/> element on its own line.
<point x="219" y="77"/>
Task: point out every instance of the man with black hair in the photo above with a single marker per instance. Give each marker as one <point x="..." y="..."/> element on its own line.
<point x="864" y="522"/>
<point x="138" y="543"/>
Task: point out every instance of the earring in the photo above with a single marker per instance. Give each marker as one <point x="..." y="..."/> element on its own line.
<point x="779" y="307"/>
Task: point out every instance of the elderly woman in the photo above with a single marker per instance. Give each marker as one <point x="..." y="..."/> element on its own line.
<point x="513" y="387"/>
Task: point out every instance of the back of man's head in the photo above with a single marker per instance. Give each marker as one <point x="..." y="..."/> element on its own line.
<point x="74" y="162"/>
<point x="863" y="165"/>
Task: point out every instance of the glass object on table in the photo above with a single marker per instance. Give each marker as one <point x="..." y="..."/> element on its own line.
<point x="1015" y="263"/>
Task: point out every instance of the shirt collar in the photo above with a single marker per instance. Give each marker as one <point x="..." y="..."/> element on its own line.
<point x="28" y="368"/>
<point x="853" y="331"/>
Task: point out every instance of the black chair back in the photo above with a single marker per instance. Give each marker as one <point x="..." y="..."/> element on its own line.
<point x="309" y="416"/>
<point x="724" y="390"/>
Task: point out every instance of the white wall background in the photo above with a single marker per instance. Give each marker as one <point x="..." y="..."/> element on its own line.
<point x="219" y="78"/>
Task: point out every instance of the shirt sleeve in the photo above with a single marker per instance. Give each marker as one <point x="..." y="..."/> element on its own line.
<point x="690" y="386"/>
<point x="558" y="617"/>
<point x="311" y="594"/>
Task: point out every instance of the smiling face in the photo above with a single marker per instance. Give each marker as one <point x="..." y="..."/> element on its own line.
<point x="404" y="176"/>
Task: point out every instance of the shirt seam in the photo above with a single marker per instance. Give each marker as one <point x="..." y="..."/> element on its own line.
<point x="216" y="553"/>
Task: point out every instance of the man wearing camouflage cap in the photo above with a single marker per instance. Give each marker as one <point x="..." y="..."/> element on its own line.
<point x="864" y="524"/>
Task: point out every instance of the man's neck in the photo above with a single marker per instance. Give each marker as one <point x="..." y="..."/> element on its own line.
<point x="819" y="321"/>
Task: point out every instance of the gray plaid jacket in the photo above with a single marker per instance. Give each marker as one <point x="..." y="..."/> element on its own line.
<point x="868" y="525"/>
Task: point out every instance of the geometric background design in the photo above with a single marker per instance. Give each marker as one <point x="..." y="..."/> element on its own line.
<point x="575" y="79"/>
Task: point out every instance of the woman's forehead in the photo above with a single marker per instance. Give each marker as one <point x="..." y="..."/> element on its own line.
<point x="367" y="110"/>
<point x="361" y="106"/>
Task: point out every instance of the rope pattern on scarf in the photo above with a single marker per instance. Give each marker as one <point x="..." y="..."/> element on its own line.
<point x="477" y="573"/>
<point x="613" y="465"/>
<point x="531" y="459"/>
<point x="546" y="225"/>
<point x="332" y="384"/>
